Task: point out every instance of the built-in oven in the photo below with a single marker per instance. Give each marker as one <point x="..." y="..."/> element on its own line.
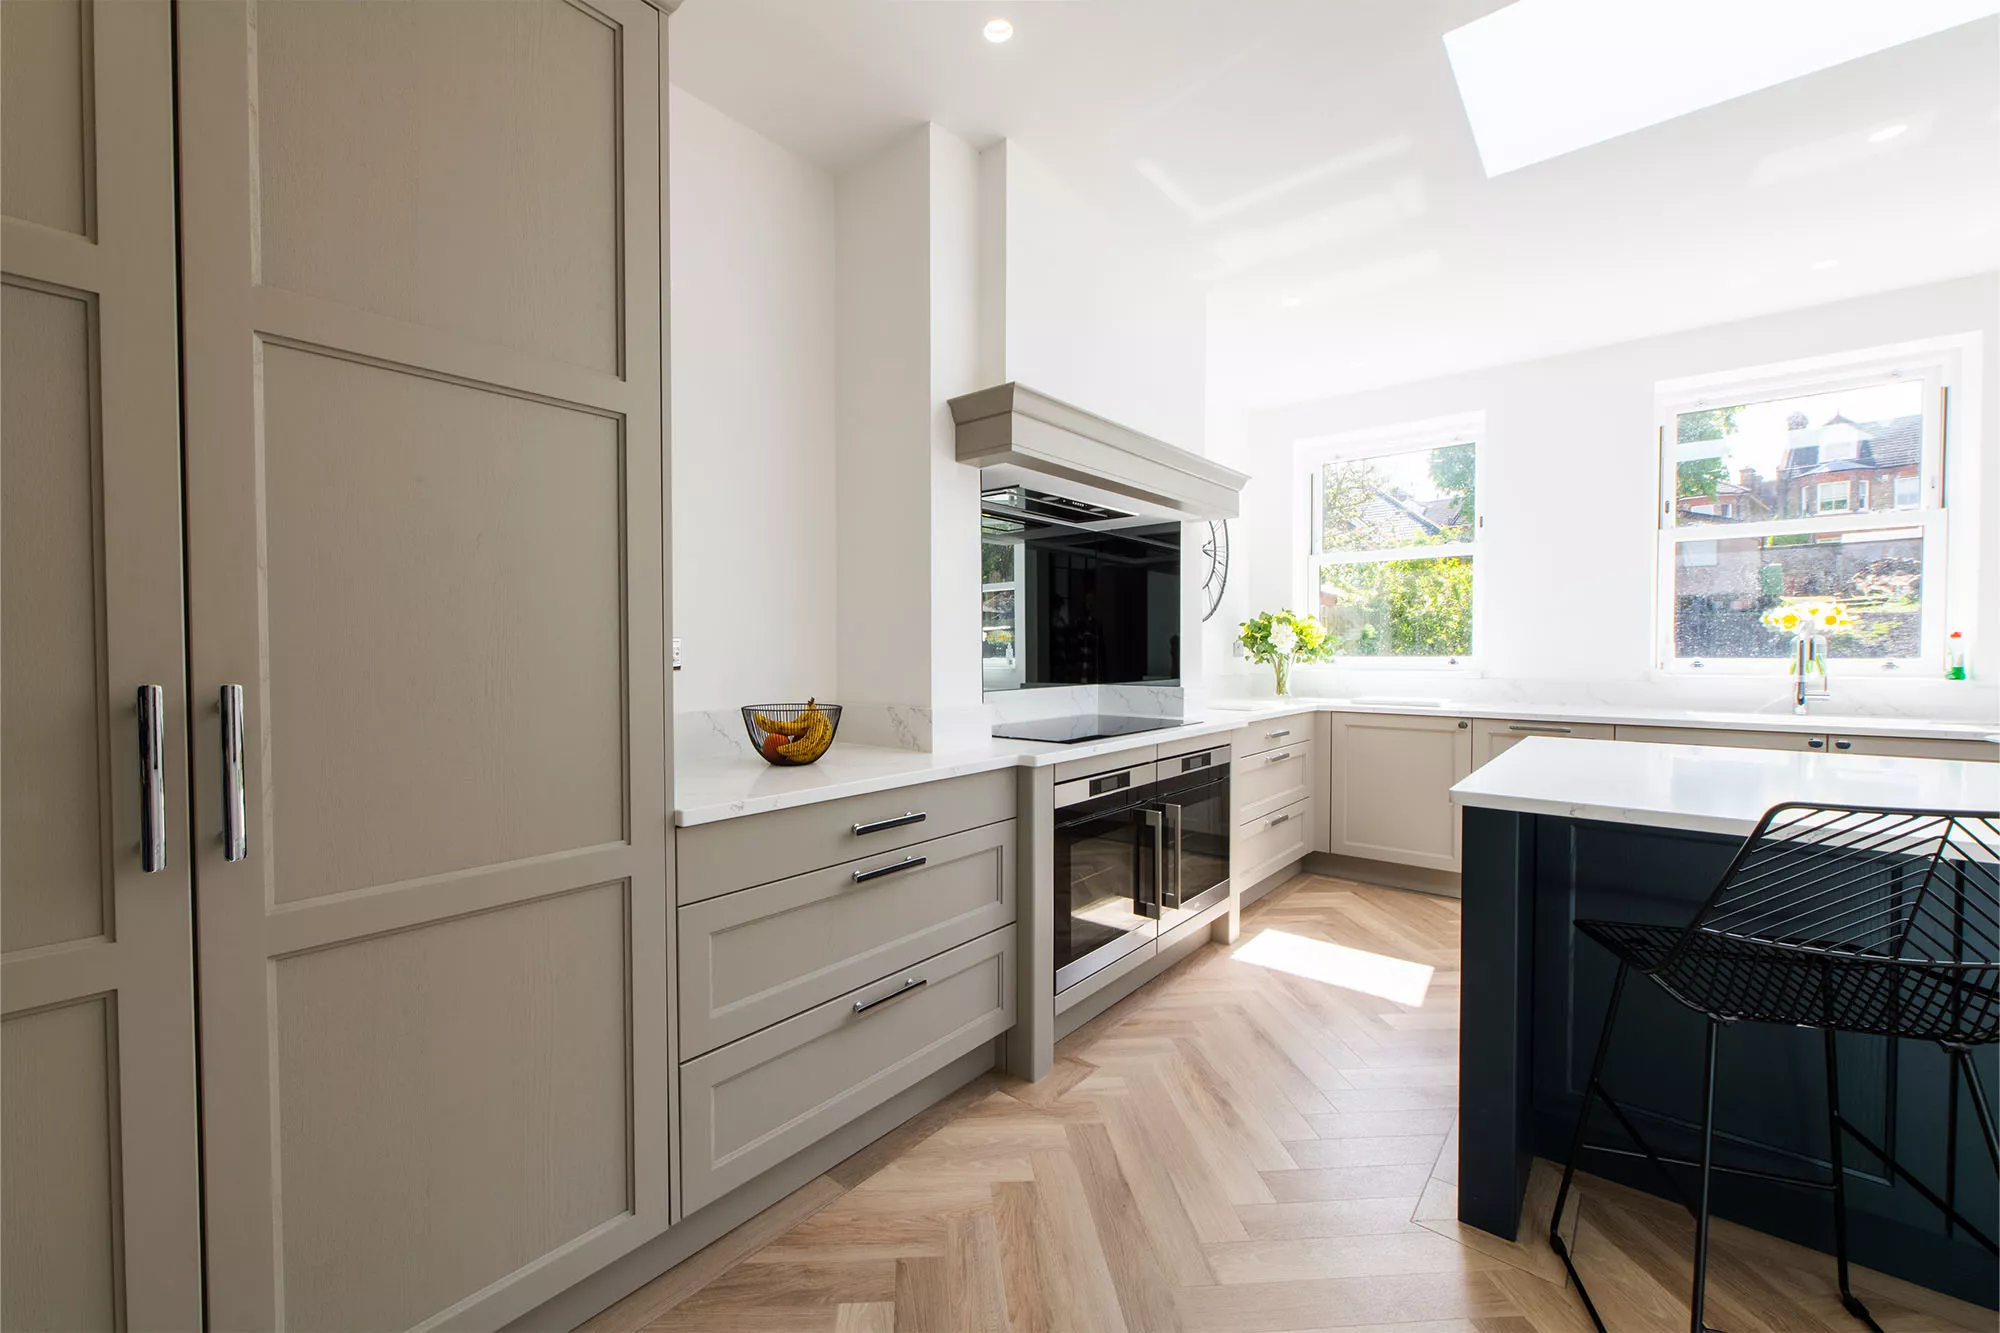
<point x="1138" y="850"/>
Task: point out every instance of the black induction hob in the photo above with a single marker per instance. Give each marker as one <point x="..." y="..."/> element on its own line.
<point x="1088" y="727"/>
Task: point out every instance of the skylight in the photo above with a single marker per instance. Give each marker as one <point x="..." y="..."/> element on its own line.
<point x="1541" y="78"/>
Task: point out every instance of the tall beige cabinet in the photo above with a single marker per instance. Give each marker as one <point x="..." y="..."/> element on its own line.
<point x="415" y="785"/>
<point x="99" y="1214"/>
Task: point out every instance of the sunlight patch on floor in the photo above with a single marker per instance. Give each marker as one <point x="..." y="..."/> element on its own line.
<point x="1374" y="974"/>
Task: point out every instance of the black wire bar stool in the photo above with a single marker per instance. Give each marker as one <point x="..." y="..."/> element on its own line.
<point x="1841" y="918"/>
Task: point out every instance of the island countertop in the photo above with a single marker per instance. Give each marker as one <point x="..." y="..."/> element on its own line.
<point x="1710" y="789"/>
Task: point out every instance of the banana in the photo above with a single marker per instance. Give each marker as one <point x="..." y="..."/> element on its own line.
<point x="776" y="727"/>
<point x="812" y="742"/>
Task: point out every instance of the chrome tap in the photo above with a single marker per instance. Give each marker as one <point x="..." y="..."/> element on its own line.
<point x="1809" y="671"/>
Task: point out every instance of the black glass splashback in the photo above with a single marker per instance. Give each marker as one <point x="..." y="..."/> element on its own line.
<point x="1088" y="605"/>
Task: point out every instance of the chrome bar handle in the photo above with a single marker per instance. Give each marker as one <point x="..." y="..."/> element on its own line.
<point x="907" y="863"/>
<point x="152" y="779"/>
<point x="235" y="832"/>
<point x="909" y="984"/>
<point x="1540" y="729"/>
<point x="1179" y="816"/>
<point x="883" y="825"/>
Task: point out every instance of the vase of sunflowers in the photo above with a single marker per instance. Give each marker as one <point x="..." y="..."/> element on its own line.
<point x="1809" y="623"/>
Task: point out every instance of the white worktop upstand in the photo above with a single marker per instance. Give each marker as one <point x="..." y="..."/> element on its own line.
<point x="1710" y="789"/>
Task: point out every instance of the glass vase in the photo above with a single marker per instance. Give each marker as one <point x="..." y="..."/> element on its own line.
<point x="1281" y="667"/>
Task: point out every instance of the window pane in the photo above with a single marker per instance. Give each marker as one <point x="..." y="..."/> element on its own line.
<point x="1399" y="608"/>
<point x="1723" y="588"/>
<point x="1848" y="451"/>
<point x="997" y="626"/>
<point x="1423" y="498"/>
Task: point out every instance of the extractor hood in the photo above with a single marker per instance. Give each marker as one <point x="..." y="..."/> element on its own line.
<point x="1021" y="437"/>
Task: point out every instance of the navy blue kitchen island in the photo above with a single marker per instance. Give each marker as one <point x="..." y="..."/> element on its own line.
<point x="1555" y="830"/>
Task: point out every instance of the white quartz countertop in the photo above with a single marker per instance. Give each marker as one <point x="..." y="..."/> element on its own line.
<point x="708" y="787"/>
<point x="1712" y="789"/>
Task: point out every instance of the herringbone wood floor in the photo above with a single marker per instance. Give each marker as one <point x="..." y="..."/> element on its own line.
<point x="1237" y="1148"/>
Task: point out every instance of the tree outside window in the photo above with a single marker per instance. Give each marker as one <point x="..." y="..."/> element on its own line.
<point x="1392" y="548"/>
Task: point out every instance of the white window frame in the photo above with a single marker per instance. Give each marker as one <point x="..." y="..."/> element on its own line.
<point x="1936" y="367"/>
<point x="1896" y="494"/>
<point x="1310" y="456"/>
<point x="1823" y="493"/>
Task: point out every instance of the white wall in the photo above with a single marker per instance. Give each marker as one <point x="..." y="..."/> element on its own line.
<point x="1093" y="315"/>
<point x="751" y="302"/>
<point x="1081" y="308"/>
<point x="883" y="493"/>
<point x="1566" y="567"/>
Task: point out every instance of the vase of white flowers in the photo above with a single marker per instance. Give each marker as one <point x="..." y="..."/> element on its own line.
<point x="1280" y="638"/>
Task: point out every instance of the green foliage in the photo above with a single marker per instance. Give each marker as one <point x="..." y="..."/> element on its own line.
<point x="1403" y="608"/>
<point x="1711" y="423"/>
<point x="1699" y="476"/>
<point x="1770" y="582"/>
<point x="1310" y="641"/>
<point x="1453" y="471"/>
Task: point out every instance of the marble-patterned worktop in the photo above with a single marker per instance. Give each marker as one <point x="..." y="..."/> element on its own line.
<point x="1712" y="790"/>
<point x="717" y="776"/>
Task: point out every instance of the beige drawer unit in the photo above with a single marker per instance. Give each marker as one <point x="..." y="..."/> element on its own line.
<point x="754" y="1103"/>
<point x="1911" y="747"/>
<point x="1740" y="740"/>
<point x="1266" y="783"/>
<point x="1492" y="738"/>
<point x="1273" y="733"/>
<point x="752" y="958"/>
<point x="1265" y="846"/>
<point x="731" y="854"/>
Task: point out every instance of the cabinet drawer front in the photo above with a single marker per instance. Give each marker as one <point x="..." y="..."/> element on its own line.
<point x="750" y="959"/>
<point x="1266" y="846"/>
<point x="755" y="1102"/>
<point x="1266" y="783"/>
<point x="1723" y="736"/>
<point x="1273" y="733"/>
<point x="731" y="854"/>
<point x="1910" y="747"/>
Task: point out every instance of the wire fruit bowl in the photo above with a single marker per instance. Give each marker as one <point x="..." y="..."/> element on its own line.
<point x="772" y="741"/>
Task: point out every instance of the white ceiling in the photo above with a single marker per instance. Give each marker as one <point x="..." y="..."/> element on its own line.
<point x="1313" y="160"/>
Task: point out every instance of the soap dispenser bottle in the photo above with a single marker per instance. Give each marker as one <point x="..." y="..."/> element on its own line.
<point x="1954" y="656"/>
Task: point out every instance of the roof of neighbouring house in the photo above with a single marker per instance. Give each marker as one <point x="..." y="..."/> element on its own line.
<point x="1896" y="442"/>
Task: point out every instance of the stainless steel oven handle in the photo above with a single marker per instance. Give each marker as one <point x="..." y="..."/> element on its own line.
<point x="1156" y="821"/>
<point x="152" y="779"/>
<point x="1179" y="814"/>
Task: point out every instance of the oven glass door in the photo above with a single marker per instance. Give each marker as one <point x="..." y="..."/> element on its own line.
<point x="1196" y="805"/>
<point x="1105" y="884"/>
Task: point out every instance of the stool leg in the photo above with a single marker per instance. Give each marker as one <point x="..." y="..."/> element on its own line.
<point x="1699" y="1299"/>
<point x="1576" y="1142"/>
<point x="1835" y="1132"/>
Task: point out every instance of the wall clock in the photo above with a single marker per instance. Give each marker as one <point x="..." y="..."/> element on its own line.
<point x="1215" y="552"/>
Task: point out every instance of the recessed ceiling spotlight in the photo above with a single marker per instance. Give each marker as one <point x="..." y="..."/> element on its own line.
<point x="999" y="30"/>
<point x="1821" y="265"/>
<point x="1886" y="133"/>
<point x="1291" y="301"/>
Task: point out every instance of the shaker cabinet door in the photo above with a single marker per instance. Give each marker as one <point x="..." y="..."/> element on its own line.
<point x="100" y="1225"/>
<point x="1391" y="779"/>
<point x="422" y="308"/>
